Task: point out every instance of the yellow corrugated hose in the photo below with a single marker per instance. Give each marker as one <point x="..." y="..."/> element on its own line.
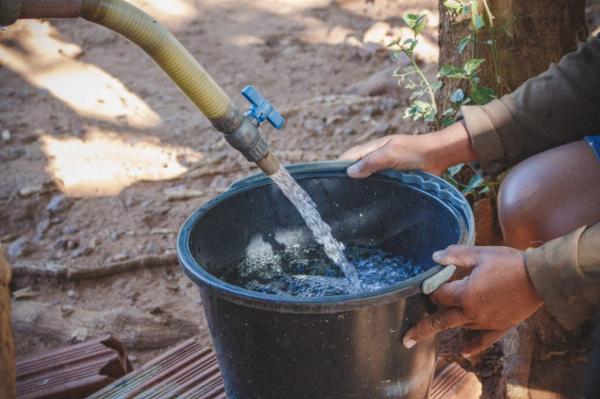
<point x="164" y="48"/>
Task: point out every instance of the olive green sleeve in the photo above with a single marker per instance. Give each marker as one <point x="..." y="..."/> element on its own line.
<point x="566" y="274"/>
<point x="557" y="107"/>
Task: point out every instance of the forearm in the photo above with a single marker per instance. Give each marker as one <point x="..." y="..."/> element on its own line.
<point x="447" y="147"/>
<point x="557" y="107"/>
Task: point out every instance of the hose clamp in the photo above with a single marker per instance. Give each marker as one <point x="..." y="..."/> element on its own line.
<point x="248" y="140"/>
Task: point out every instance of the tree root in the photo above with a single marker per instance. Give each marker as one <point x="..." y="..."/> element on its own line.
<point x="64" y="273"/>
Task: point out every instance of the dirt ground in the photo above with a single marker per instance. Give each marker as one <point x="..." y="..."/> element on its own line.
<point x="103" y="158"/>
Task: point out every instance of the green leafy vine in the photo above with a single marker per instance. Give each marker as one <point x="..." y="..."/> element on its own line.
<point x="422" y="101"/>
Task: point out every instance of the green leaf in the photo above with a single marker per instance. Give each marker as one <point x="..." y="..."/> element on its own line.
<point x="452" y="4"/>
<point x="416" y="22"/>
<point x="472" y="65"/>
<point x="482" y="95"/>
<point x="463" y="43"/>
<point x="430" y="115"/>
<point x="447" y="121"/>
<point x="436" y="85"/>
<point x="453" y="170"/>
<point x="451" y="71"/>
<point x="458" y="96"/>
<point x="421" y="23"/>
<point x="449" y="112"/>
<point x="423" y="105"/>
<point x="420" y="109"/>
<point x="478" y="22"/>
<point x="465" y="9"/>
<point x="451" y="180"/>
<point x="410" y="20"/>
<point x="476" y="182"/>
<point x="394" y="43"/>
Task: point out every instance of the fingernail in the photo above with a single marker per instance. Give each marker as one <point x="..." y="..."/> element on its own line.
<point x="409" y="343"/>
<point x="353" y="170"/>
<point x="465" y="355"/>
<point x="437" y="256"/>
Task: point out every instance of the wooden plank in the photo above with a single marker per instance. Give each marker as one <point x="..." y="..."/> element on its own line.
<point x="7" y="347"/>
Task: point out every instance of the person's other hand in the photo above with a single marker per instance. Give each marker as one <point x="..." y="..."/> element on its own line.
<point x="494" y="297"/>
<point x="433" y="152"/>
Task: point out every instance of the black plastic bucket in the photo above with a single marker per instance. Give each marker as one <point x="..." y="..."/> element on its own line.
<point x="346" y="346"/>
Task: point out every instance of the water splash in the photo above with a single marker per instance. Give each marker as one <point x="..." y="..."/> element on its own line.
<point x="308" y="272"/>
<point x="321" y="230"/>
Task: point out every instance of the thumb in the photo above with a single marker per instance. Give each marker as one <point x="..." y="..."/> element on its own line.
<point x="372" y="162"/>
<point x="465" y="256"/>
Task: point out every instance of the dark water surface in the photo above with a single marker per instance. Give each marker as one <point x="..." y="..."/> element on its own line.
<point x="308" y="272"/>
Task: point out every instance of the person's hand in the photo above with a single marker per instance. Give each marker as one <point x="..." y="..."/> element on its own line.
<point x="497" y="295"/>
<point x="390" y="152"/>
<point x="433" y="152"/>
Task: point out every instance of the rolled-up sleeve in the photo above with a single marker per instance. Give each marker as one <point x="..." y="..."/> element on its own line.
<point x="566" y="274"/>
<point x="557" y="107"/>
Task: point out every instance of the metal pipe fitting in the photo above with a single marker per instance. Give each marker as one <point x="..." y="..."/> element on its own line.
<point x="269" y="163"/>
<point x="247" y="140"/>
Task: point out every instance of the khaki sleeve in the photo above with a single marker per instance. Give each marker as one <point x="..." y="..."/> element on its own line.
<point x="557" y="107"/>
<point x="566" y="274"/>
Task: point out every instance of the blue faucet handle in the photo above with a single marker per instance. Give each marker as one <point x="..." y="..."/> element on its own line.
<point x="261" y="109"/>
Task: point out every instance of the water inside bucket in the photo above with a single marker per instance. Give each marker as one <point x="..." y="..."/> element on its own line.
<point x="308" y="272"/>
<point x="319" y="228"/>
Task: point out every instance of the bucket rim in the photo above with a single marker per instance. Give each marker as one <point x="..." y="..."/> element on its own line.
<point x="424" y="181"/>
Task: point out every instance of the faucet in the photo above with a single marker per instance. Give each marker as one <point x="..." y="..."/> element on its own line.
<point x="241" y="130"/>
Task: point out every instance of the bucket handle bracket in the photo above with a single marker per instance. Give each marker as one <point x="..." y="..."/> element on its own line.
<point x="434" y="282"/>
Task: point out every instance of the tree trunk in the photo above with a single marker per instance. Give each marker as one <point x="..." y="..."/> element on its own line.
<point x="529" y="36"/>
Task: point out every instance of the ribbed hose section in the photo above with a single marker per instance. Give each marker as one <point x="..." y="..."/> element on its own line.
<point x="164" y="48"/>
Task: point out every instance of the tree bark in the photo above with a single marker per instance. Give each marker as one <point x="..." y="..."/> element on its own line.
<point x="7" y="348"/>
<point x="529" y="36"/>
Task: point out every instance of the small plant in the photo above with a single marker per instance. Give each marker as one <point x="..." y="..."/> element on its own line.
<point x="422" y="101"/>
<point x="420" y="87"/>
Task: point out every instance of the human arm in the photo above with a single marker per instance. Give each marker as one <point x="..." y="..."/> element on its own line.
<point x="559" y="106"/>
<point x="433" y="152"/>
<point x="556" y="107"/>
<point x="506" y="286"/>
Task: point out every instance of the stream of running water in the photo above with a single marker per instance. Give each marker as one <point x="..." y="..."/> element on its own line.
<point x="319" y="228"/>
